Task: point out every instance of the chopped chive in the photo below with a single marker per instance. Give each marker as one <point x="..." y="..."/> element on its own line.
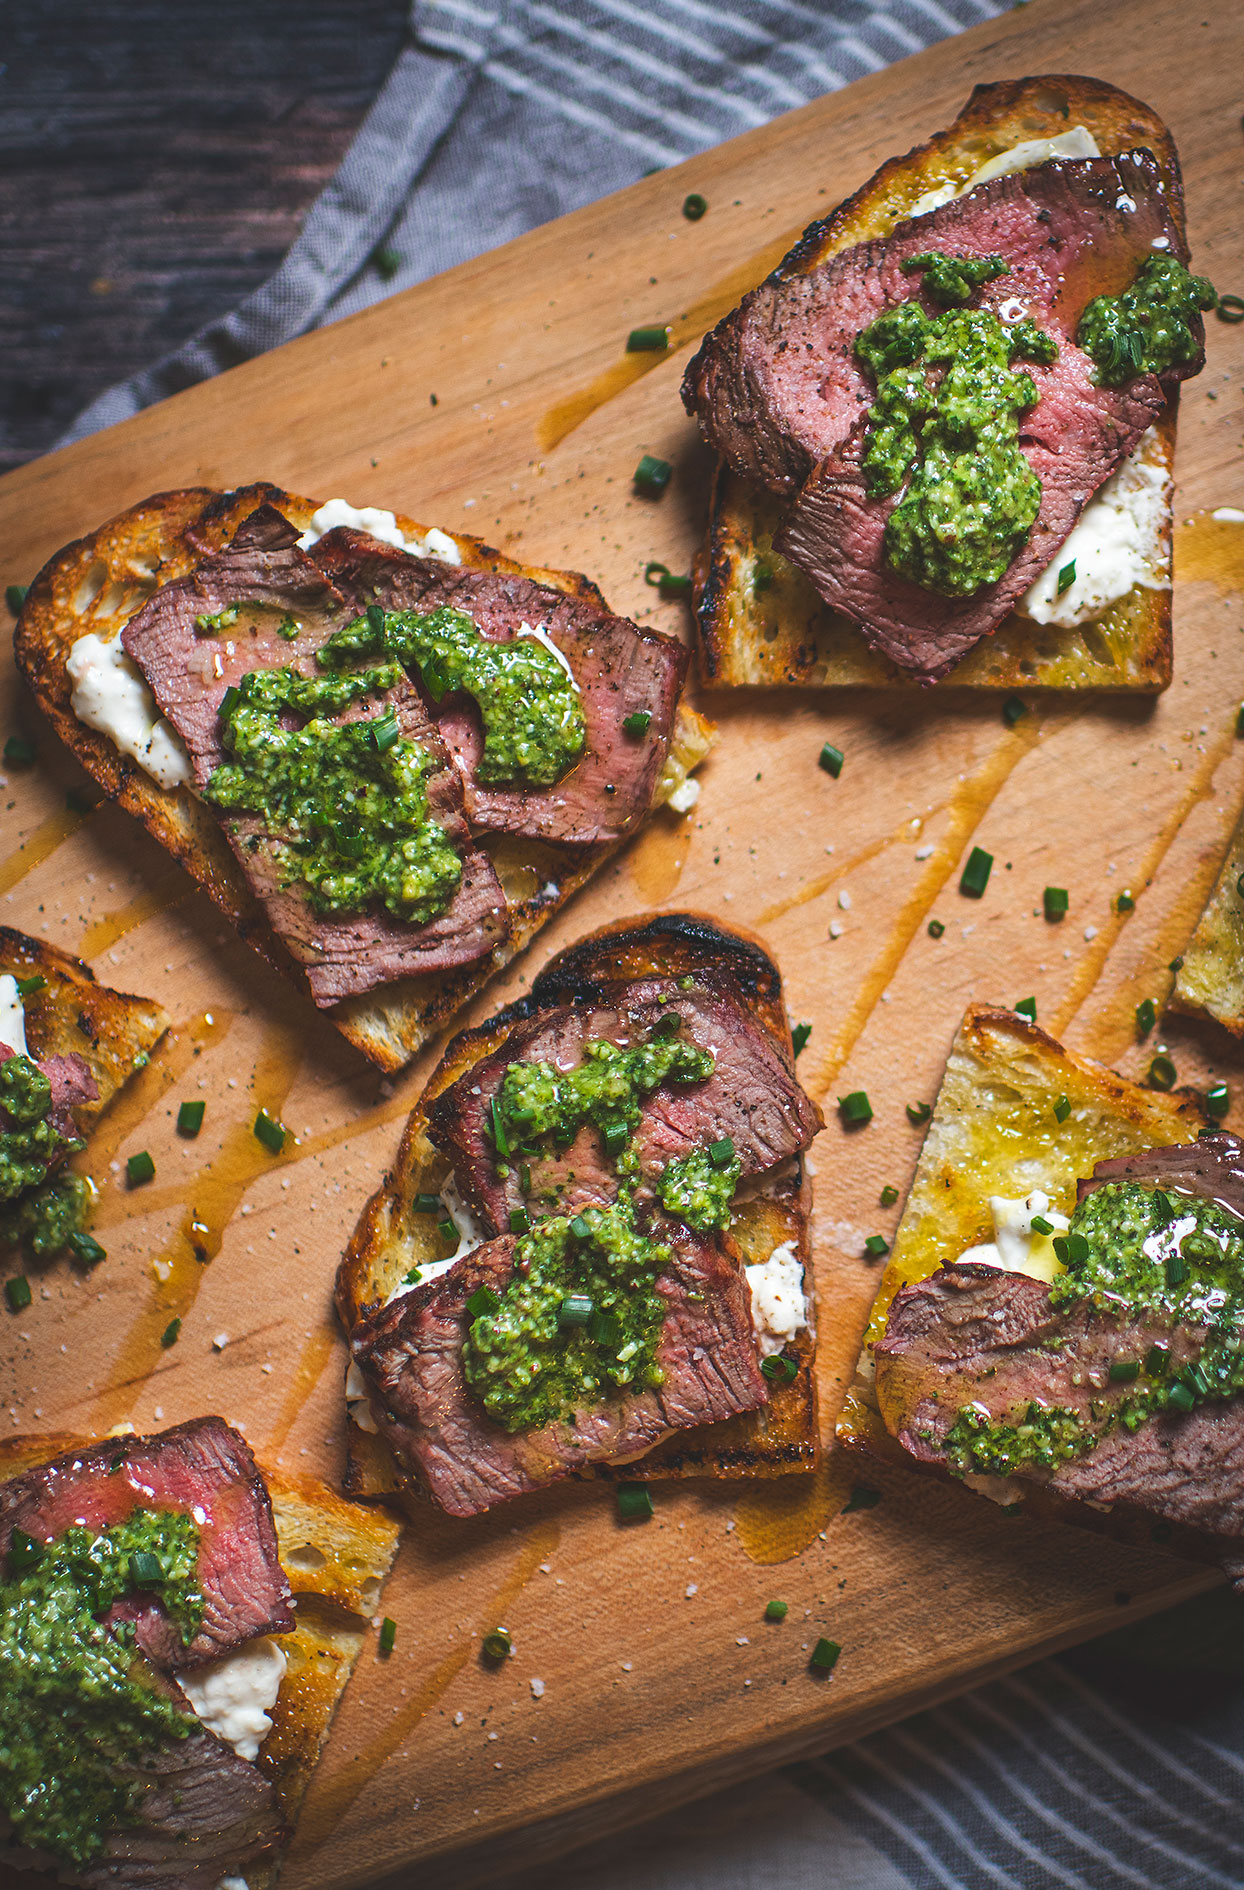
<point x="1239" y="720"/>
<point x="575" y="1310"/>
<point x="524" y="1178"/>
<point x="139" y="1168"/>
<point x="580" y="1228"/>
<point x="653" y="340"/>
<point x="520" y="1221"/>
<point x="375" y="617"/>
<point x="1157" y="1360"/>
<point x="19" y="753"/>
<point x="667" y="1025"/>
<point x="1072" y="1249"/>
<point x="825" y="1656"/>
<point x="1124" y="1371"/>
<point x="412" y="1276"/>
<point x="1040" y="1225"/>
<point x="1217" y="1101"/>
<point x="674" y="584"/>
<point x="497" y="1644"/>
<point x="171" y="1333"/>
<point x="861" y="1497"/>
<point x="1146" y="1016"/>
<point x="694" y="206"/>
<point x="427" y="1204"/>
<point x="15" y="596"/>
<point x="1195" y="1377"/>
<point x="615" y="1136"/>
<point x="831" y="759"/>
<point x="889" y="1195"/>
<point x="1230" y="308"/>
<point x="1164" y="1205"/>
<point x="605" y="1329"/>
<point x="483" y="1300"/>
<point x="1176" y="1269"/>
<point x="1062" y="1109"/>
<point x="387" y="261"/>
<point x="634" y="1502"/>
<point x="1181" y="1397"/>
<point x="228" y="703"/>
<point x="975" y="876"/>
<point x="935" y="928"/>
<point x="1176" y="964"/>
<point x="779" y="1369"/>
<point x="145" y="1569"/>
<point x="776" y="1610"/>
<point x="448" y="1230"/>
<point x="1126" y="901"/>
<point x="1056" y="903"/>
<point x="799" y="1037"/>
<point x="270" y="1132"/>
<point x="721" y="1152"/>
<point x="1162" y="1073"/>
<point x="24" y="1552"/>
<point x="855" y="1108"/>
<point x="85" y="1249"/>
<point x="1066" y="577"/>
<point x="388" y="1636"/>
<point x="1014" y="709"/>
<point x="876" y="1245"/>
<point x="385" y="732"/>
<point x="654" y="572"/>
<point x="1026" y="1007"/>
<point x="652" y="475"/>
<point x="190" y="1118"/>
<point x="27" y="987"/>
<point x="637" y="724"/>
<point x="500" y="1140"/>
<point x="17" y="1292"/>
<point x="918" y="1113"/>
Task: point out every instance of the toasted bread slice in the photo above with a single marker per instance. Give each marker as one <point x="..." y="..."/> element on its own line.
<point x="389" y="1239"/>
<point x="336" y="1556"/>
<point x="994" y="1131"/>
<point x="99" y="582"/>
<point x="760" y="619"/>
<point x="1210" y="979"/>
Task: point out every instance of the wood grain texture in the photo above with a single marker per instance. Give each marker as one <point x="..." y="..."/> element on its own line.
<point x="660" y="1678"/>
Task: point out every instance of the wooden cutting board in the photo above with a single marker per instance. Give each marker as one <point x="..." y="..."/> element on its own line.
<point x="498" y="399"/>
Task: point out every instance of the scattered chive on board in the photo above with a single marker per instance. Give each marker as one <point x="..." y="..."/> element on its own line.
<point x="889" y="1195"/>
<point x="1055" y="902"/>
<point x="17" y="1292"/>
<point x="876" y="1246"/>
<point x="190" y="1118"/>
<point x="1126" y="901"/>
<point x="862" y="1497"/>
<point x="855" y="1108"/>
<point x="776" y="1610"/>
<point x="1027" y="1007"/>
<point x="694" y="206"/>
<point x="1162" y="1073"/>
<point x="270" y="1132"/>
<point x="825" y="1656"/>
<point x="831" y="759"/>
<point x="634" y="1502"/>
<point x="171" y="1333"/>
<point x="935" y="928"/>
<point x="388" y="1635"/>
<point x="799" y="1037"/>
<point x="19" y="753"/>
<point x="1014" y="709"/>
<point x="139" y="1168"/>
<point x="15" y="597"/>
<point x="652" y="475"/>
<point x="1146" y="1016"/>
<point x="651" y="340"/>
<point x="1217" y="1100"/>
<point x="85" y="1249"/>
<point x="975" y="875"/>
<point x="918" y="1113"/>
<point x="497" y="1644"/>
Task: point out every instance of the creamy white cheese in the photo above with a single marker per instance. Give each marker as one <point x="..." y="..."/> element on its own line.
<point x="233" y="1696"/>
<point x="1017" y="1246"/>
<point x="111" y="695"/>
<point x="358" y="1402"/>
<point x="1078" y="142"/>
<point x="1116" y="544"/>
<point x="382" y="525"/>
<point x="233" y="1883"/>
<point x="12" y="1016"/>
<point x="779" y="1308"/>
<point x="684" y="796"/>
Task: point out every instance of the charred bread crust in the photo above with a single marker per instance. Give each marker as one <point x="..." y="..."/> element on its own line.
<point x="760" y="620"/>
<point x="336" y="1556"/>
<point x="781" y="1436"/>
<point x="98" y="582"/>
<point x="1210" y="979"/>
<point x="73" y="1014"/>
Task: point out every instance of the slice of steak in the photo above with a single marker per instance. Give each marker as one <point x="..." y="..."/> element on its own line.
<point x="1212" y="1166"/>
<point x="189" y="671"/>
<point x="752" y="1097"/>
<point x="71" y="1083"/>
<point x="776" y="386"/>
<point x="205" y="1469"/>
<point x="620" y="669"/>
<point x="976" y="1335"/>
<point x="410" y="1353"/>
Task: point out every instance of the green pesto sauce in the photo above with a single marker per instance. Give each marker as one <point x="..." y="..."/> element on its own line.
<point x="29" y="1143"/>
<point x="951" y="439"/>
<point x="1154" y="1254"/>
<point x="699" y="1190"/>
<point x="538" y="1103"/>
<point x="42" y="1219"/>
<point x="78" y="1704"/>
<point x="1149" y="327"/>
<point x="346" y="802"/>
<point x="579" y="1319"/>
<point x="951" y="281"/>
<point x="529" y="706"/>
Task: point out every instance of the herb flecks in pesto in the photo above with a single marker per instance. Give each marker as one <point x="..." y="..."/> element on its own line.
<point x="345" y="803"/>
<point x="952" y="281"/>
<point x="944" y="431"/>
<point x="42" y="1219"/>
<point x="699" y="1190"/>
<point x="1148" y="328"/>
<point x="29" y="1141"/>
<point x="529" y="704"/>
<point x="579" y="1319"/>
<point x="1137" y="1253"/>
<point x="78" y="1704"/>
<point x="538" y="1102"/>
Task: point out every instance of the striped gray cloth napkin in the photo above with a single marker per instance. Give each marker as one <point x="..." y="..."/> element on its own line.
<point x="1120" y="1769"/>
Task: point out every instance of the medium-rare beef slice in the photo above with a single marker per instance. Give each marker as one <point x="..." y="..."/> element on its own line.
<point x="204" y="1469"/>
<point x="620" y="671"/>
<point x="189" y="672"/>
<point x="410" y="1353"/>
<point x="776" y="386"/>
<point x="976" y="1335"/>
<point x="752" y="1097"/>
<point x="1212" y="1166"/>
<point x="71" y="1083"/>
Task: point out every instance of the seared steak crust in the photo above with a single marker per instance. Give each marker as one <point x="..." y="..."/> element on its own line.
<point x="410" y="1353"/>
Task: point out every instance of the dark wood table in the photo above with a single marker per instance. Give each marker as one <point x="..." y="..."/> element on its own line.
<point x="157" y="159"/>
